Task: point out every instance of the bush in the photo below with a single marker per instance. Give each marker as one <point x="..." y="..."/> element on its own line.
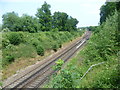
<point x="63" y="80"/>
<point x="66" y="78"/>
<point x="9" y="59"/>
<point x="5" y="42"/>
<point x="15" y="38"/>
<point x="40" y="50"/>
<point x="35" y="43"/>
<point x="58" y="65"/>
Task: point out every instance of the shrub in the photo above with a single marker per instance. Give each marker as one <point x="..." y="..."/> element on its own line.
<point x="63" y="80"/>
<point x="66" y="78"/>
<point x="15" y="38"/>
<point x="10" y="58"/>
<point x="58" y="65"/>
<point x="40" y="50"/>
<point x="35" y="43"/>
<point x="5" y="42"/>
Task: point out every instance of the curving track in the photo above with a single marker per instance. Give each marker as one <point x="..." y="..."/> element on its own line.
<point x="40" y="74"/>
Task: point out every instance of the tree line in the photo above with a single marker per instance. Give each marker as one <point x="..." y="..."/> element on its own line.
<point x="108" y="9"/>
<point x="43" y="21"/>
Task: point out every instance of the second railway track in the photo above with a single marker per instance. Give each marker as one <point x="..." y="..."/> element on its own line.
<point x="36" y="77"/>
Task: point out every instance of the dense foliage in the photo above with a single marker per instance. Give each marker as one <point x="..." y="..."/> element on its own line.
<point x="43" y="21"/>
<point x="23" y="44"/>
<point x="108" y="9"/>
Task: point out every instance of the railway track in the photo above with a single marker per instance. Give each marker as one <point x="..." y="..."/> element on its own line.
<point x="36" y="77"/>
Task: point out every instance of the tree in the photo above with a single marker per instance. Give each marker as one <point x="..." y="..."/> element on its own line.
<point x="118" y="6"/>
<point x="43" y="21"/>
<point x="30" y="24"/>
<point x="106" y="10"/>
<point x="44" y="16"/>
<point x="63" y="22"/>
<point x="60" y="20"/>
<point x="12" y="21"/>
<point x="71" y="24"/>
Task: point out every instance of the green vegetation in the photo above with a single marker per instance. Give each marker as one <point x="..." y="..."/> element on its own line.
<point x="27" y="36"/>
<point x="40" y="50"/>
<point x="43" y="21"/>
<point x="58" y="65"/>
<point x="103" y="46"/>
<point x="15" y="38"/>
<point x="26" y="39"/>
<point x="108" y="9"/>
<point x="27" y="45"/>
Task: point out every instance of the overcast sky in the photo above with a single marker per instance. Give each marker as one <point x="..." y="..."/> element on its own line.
<point x="85" y="11"/>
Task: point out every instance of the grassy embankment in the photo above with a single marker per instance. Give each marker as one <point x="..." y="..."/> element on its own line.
<point x="21" y="49"/>
<point x="102" y="47"/>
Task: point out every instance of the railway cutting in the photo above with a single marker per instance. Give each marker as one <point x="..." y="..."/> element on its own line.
<point x="36" y="77"/>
